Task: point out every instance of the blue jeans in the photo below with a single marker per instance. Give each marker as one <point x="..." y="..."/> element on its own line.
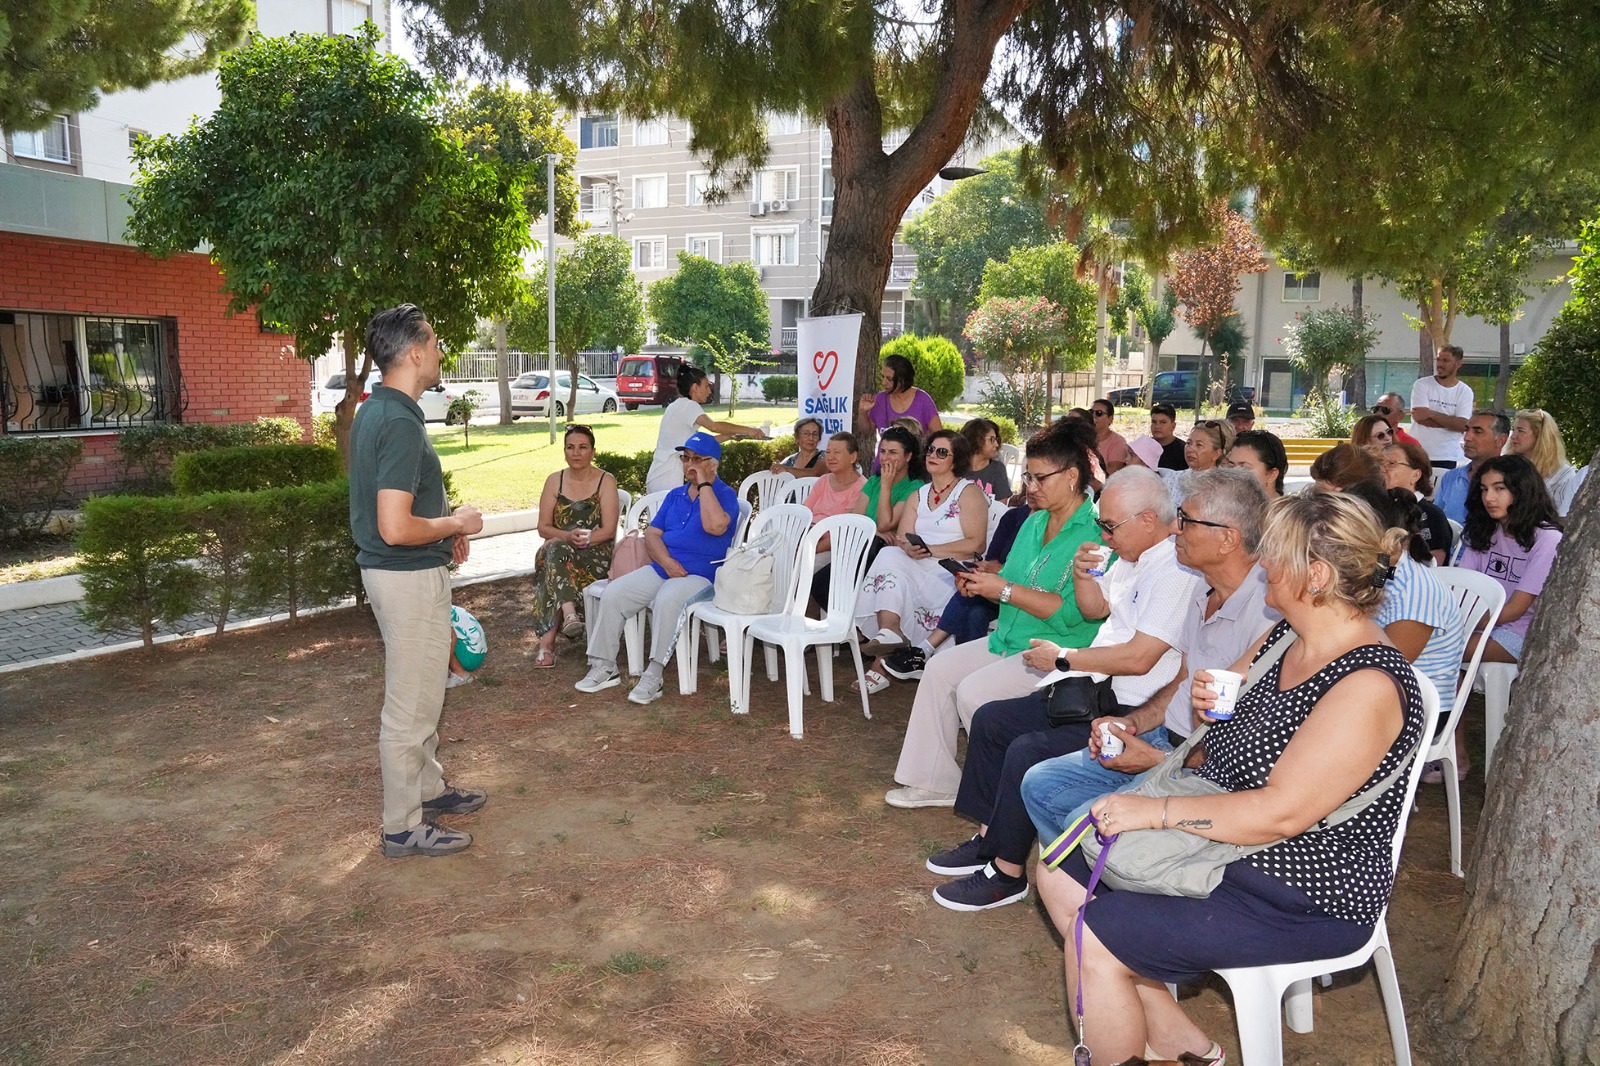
<point x="1058" y="792"/>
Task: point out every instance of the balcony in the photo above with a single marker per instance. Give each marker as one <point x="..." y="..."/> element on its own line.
<point x="902" y="272"/>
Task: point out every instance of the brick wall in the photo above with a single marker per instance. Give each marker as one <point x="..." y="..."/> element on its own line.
<point x="231" y="370"/>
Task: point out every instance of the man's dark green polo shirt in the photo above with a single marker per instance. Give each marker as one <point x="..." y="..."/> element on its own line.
<point x="389" y="449"/>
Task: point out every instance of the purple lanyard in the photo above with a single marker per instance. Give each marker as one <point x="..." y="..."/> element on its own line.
<point x="1080" y="1053"/>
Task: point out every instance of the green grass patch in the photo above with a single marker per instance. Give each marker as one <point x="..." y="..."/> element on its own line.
<point x="714" y="787"/>
<point x="42" y="558"/>
<point x="631" y="962"/>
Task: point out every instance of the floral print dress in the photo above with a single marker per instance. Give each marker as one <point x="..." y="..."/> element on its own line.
<point x="564" y="570"/>
<point x="914" y="589"/>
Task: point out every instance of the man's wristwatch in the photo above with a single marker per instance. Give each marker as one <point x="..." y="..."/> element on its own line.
<point x="1062" y="664"/>
<point x="1005" y="592"/>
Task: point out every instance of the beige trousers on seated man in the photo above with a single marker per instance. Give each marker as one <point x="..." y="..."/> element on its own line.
<point x="413" y="612"/>
<point x="954" y="685"/>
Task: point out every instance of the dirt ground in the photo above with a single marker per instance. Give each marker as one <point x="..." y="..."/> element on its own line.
<point x="191" y="876"/>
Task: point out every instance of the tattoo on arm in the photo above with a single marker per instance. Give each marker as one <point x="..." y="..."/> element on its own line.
<point x="1194" y="823"/>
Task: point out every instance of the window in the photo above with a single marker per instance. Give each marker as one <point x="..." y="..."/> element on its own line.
<point x="695" y="186"/>
<point x="597" y="131"/>
<point x="348" y="15"/>
<point x="53" y="143"/>
<point x="649" y="253"/>
<point x="135" y="137"/>
<point x="784" y="125"/>
<point x="595" y="193"/>
<point x="705" y="245"/>
<point x="64" y="372"/>
<point x="649" y="131"/>
<point x="776" y="247"/>
<point x="650" y="190"/>
<point x="1302" y="288"/>
<point x="781" y="183"/>
<point x="827" y="190"/>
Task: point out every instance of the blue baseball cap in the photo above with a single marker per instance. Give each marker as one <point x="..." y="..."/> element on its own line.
<point x="702" y="444"/>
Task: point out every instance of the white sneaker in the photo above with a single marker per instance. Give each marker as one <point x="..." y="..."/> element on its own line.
<point x="648" y="690"/>
<point x="455" y="679"/>
<point x="910" y="797"/>
<point x="598" y="679"/>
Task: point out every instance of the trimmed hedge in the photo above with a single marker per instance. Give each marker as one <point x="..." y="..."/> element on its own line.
<point x="252" y="468"/>
<point x="780" y="387"/>
<point x="148" y="451"/>
<point x="156" y="559"/>
<point x="33" y="482"/>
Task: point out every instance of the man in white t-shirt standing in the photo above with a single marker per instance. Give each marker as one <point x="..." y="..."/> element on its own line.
<point x="1441" y="407"/>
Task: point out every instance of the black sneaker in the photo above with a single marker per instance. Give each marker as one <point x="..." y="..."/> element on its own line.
<point x="959" y="860"/>
<point x="982" y="890"/>
<point x="425" y="839"/>
<point x="455" y="801"/>
<point x="906" y="664"/>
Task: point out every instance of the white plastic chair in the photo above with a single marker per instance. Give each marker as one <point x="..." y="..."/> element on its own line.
<point x="997" y="511"/>
<point x="636" y="516"/>
<point x="1478" y="596"/>
<point x="1011" y="455"/>
<point x="624" y="501"/>
<point x="851" y="535"/>
<point x="798" y="489"/>
<point x="1258" y="991"/>
<point x="792" y="521"/>
<point x="764" y="489"/>
<point x="1497" y="679"/>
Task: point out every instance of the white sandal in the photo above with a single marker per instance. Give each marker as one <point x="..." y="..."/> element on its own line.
<point x="876" y="683"/>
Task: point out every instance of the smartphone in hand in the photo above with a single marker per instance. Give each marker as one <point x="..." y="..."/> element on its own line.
<point x="916" y="541"/>
<point x="958" y="566"/>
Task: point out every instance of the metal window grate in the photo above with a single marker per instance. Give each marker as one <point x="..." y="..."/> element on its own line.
<point x="70" y="372"/>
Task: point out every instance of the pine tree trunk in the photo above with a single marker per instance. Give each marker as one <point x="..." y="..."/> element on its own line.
<point x="1525" y="983"/>
<point x="1502" y="383"/>
<point x="1358" y="372"/>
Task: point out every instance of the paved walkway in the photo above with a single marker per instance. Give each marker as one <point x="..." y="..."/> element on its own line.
<point x="38" y="635"/>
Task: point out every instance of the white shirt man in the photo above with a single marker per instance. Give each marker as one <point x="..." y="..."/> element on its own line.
<point x="1440" y="408"/>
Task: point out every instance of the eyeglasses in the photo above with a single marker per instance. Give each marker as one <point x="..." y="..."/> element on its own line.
<point x="940" y="453"/>
<point x="1382" y="434"/>
<point x="1396" y="464"/>
<point x="1100" y="414"/>
<point x="1382" y="409"/>
<point x="1108" y="528"/>
<point x="688" y="457"/>
<point x="1039" y="479"/>
<point x="1185" y="519"/>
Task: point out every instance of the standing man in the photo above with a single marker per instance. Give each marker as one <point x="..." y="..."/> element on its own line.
<point x="1391" y="407"/>
<point x="1440" y="408"/>
<point x="1484" y="439"/>
<point x="1112" y="446"/>
<point x="1164" y="428"/>
<point x="405" y="535"/>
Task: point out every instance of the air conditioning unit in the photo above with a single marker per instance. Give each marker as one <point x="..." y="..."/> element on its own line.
<point x="778" y="206"/>
<point x="757" y="210"/>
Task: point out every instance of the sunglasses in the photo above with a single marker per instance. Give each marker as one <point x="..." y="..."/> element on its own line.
<point x="1100" y="414"/>
<point x="940" y="453"/>
<point x="1382" y="409"/>
<point x="1185" y="520"/>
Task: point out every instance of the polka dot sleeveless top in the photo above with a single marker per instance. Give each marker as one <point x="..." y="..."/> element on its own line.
<point x="1346" y="869"/>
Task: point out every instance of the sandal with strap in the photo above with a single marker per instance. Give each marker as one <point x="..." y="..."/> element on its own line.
<point x="572" y="628"/>
<point x="544" y="659"/>
<point x="876" y="683"/>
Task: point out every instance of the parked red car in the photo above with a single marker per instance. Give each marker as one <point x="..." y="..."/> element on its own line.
<point x="647" y="379"/>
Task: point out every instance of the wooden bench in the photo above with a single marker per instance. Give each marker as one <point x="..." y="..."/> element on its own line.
<point x="1304" y="450"/>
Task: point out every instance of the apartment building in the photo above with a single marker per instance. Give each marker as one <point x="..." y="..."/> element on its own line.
<point x="639" y="181"/>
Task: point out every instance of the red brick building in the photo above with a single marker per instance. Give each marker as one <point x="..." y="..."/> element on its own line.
<point x="96" y="336"/>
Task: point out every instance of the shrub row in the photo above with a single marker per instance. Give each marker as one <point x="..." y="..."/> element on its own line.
<point x="153" y="560"/>
<point x="148" y="451"/>
<point x="251" y="468"/>
<point x="33" y="482"/>
<point x="780" y="387"/>
<point x="740" y="459"/>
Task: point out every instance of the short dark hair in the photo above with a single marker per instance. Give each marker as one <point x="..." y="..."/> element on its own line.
<point x="1344" y="465"/>
<point x="1502" y="421"/>
<point x="1396" y="509"/>
<point x="582" y="430"/>
<point x="1067" y="442"/>
<point x="1531" y="507"/>
<point x="393" y="333"/>
<point x="901" y="371"/>
<point x="1269" y="448"/>
<point x="960" y="450"/>
<point x="977" y="430"/>
<point x="1164" y="409"/>
<point x="1111" y="408"/>
<point x="911" y="444"/>
<point x="1455" y="350"/>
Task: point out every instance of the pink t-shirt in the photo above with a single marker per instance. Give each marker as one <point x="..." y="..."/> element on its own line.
<point x="1517" y="569"/>
<point x="825" y="501"/>
<point x="1113" y="448"/>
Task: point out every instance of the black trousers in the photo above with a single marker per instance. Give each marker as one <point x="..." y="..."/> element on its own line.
<point x="1006" y="739"/>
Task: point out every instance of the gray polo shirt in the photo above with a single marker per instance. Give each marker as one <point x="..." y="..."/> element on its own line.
<point x="389" y="449"/>
<point x="1221" y="640"/>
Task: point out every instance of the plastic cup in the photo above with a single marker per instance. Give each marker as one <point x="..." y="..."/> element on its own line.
<point x="1111" y="745"/>
<point x="1102" y="554"/>
<point x="1225" y="684"/>
<point x="583" y="538"/>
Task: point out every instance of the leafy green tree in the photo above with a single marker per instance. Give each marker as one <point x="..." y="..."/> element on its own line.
<point x="1158" y="318"/>
<point x="1050" y="271"/>
<point x="1326" y="339"/>
<point x="1022" y="334"/>
<point x="327" y="192"/>
<point x="983" y="217"/>
<point x="599" y="304"/>
<point x="1562" y="374"/>
<point x="515" y="130"/>
<point x="59" y="55"/>
<point x="719" y="309"/>
<point x="1205" y="280"/>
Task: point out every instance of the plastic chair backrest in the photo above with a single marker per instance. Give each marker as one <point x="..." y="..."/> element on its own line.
<point x="850" y="537"/>
<point x="798" y="489"/>
<point x="1478" y="596"/>
<point x="744" y="522"/>
<point x="624" y="501"/>
<point x="792" y="522"/>
<point x="997" y="511"/>
<point x="642" y="510"/>
<point x="763" y="488"/>
<point x="1431" y="711"/>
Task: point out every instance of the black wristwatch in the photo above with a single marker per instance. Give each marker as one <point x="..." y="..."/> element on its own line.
<point x="1062" y="664"/>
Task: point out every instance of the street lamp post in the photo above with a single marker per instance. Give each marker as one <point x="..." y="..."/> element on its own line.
<point x="550" y="276"/>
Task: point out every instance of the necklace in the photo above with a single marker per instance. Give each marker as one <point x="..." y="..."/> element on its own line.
<point x="936" y="494"/>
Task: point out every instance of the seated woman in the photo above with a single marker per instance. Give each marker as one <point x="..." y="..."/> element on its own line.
<point x="900" y="397"/>
<point x="906" y="586"/>
<point x="1208" y="443"/>
<point x="1263" y="454"/>
<point x="839" y="491"/>
<point x="1407" y="466"/>
<point x="1344" y="465"/>
<point x="1536" y="437"/>
<point x="807" y="458"/>
<point x="578" y="521"/>
<point x="1372" y="433"/>
<point x="687" y="540"/>
<point x="983" y="437"/>
<point x="1335" y="716"/>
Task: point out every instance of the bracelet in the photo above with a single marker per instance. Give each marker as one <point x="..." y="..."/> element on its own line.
<point x="1005" y="592"/>
<point x="1164" y="803"/>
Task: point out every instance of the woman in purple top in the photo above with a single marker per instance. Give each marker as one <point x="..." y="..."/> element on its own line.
<point x="900" y="397"/>
<point x="1511" y="534"/>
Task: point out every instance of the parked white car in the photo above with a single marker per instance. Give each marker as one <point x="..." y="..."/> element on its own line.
<point x="435" y="402"/>
<point x="530" y="395"/>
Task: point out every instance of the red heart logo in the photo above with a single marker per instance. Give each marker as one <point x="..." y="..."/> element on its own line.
<point x="825" y="363"/>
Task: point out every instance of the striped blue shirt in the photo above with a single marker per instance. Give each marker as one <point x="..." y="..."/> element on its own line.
<point x="1415" y="595"/>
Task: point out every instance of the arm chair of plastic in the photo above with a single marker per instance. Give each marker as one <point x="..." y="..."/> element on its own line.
<point x="790" y="522"/>
<point x="764" y="489"/>
<point x="1258" y="991"/>
<point x="798" y="489"/>
<point x="1478" y="596"/>
<point x="637" y="516"/>
<point x="851" y="537"/>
